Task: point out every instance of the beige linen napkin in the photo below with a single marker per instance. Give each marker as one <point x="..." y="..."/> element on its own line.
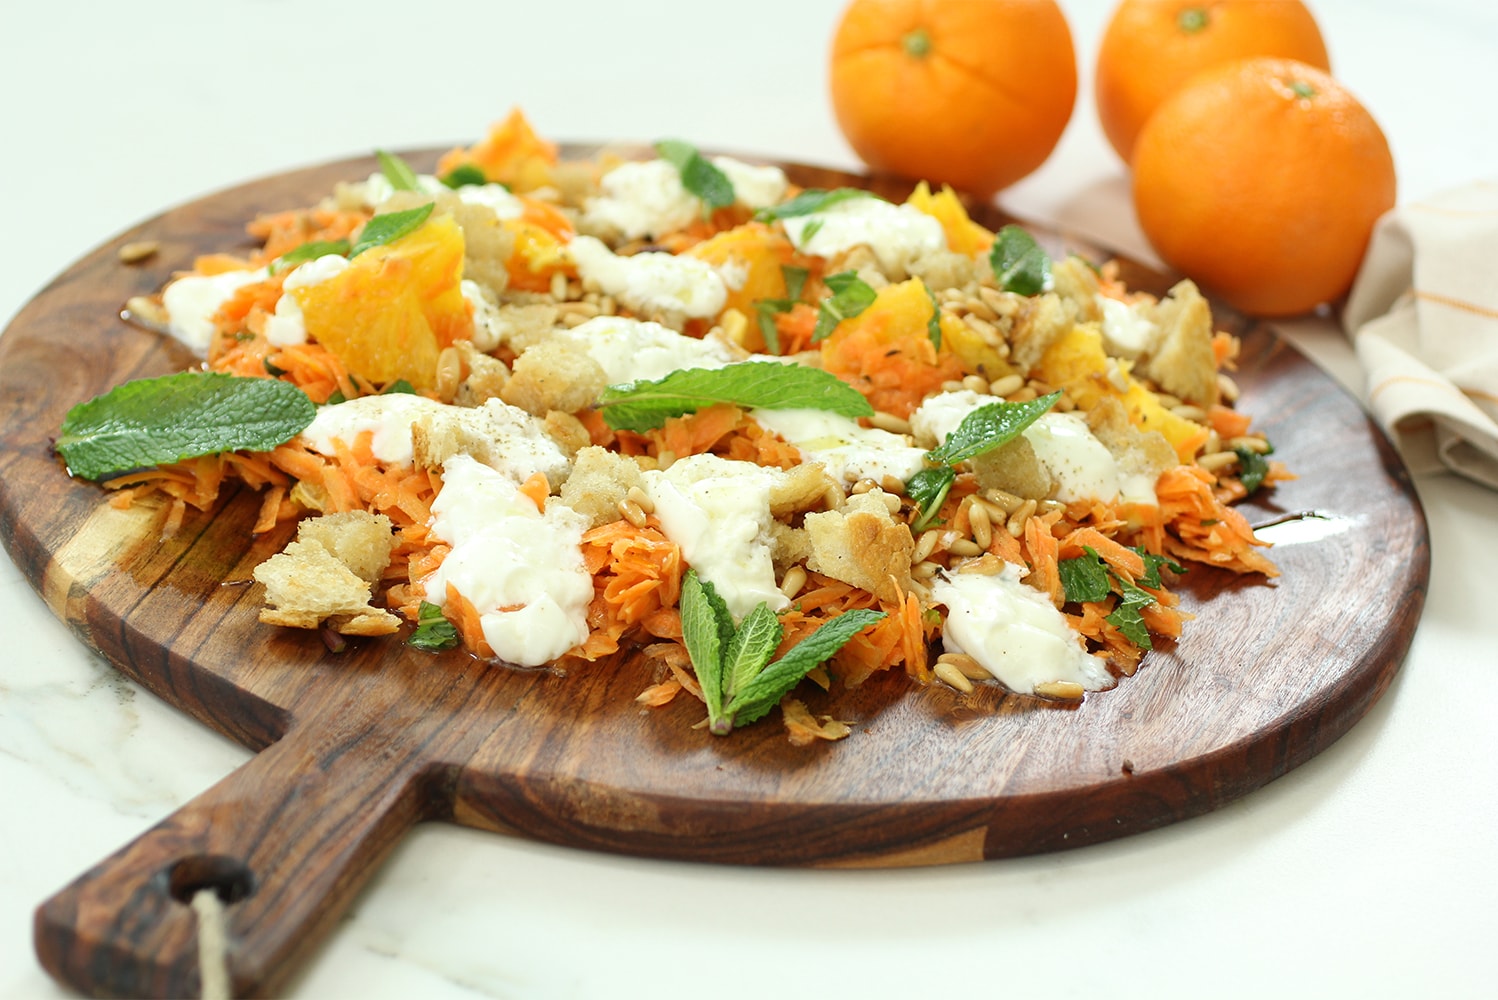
<point x="1423" y="315"/>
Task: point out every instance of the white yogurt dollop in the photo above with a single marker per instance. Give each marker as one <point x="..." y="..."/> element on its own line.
<point x="192" y="301"/>
<point x="897" y="234"/>
<point x="651" y="282"/>
<point x="1014" y="632"/>
<point x="847" y="450"/>
<point x="718" y="511"/>
<point x="521" y="569"/>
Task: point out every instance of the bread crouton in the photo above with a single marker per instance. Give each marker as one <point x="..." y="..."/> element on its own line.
<point x="1074" y="280"/>
<point x="326" y="575"/>
<point x="1041" y="322"/>
<point x="801" y="488"/>
<point x="1137" y="452"/>
<point x="788" y="546"/>
<point x="862" y="544"/>
<point x="496" y="434"/>
<point x="554" y="375"/>
<point x="599" y="480"/>
<point x="1014" y="468"/>
<point x="485" y="379"/>
<point x="943" y="269"/>
<point x="522" y="326"/>
<point x="1183" y="363"/>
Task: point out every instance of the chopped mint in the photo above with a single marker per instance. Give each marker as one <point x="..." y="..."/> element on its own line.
<point x="851" y="295"/>
<point x="739" y="684"/>
<point x="466" y="175"/>
<point x="933" y="325"/>
<point x="809" y="201"/>
<point x="989" y="427"/>
<point x="1085" y="578"/>
<point x="698" y="174"/>
<point x="433" y="631"/>
<point x="397" y="171"/>
<point x="647" y="404"/>
<point x="1019" y="264"/>
<point x="928" y="490"/>
<point x="753" y="700"/>
<point x="157" y="421"/>
<point x="1252" y="468"/>
<point x="388" y="228"/>
<point x="310" y="251"/>
<point x="767" y="309"/>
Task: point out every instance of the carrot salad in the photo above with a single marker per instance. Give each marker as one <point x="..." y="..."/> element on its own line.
<point x="593" y="369"/>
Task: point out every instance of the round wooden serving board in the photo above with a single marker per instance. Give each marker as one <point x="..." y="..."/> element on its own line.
<point x="358" y="746"/>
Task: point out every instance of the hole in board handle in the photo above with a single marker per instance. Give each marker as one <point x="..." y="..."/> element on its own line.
<point x="229" y="878"/>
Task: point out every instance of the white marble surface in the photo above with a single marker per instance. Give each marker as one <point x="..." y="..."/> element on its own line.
<point x="1367" y="872"/>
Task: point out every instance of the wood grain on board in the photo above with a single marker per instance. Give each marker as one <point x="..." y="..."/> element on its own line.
<point x="358" y="746"/>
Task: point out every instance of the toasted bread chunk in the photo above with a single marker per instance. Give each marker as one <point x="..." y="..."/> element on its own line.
<point x="1076" y="282"/>
<point x="599" y="480"/>
<point x="862" y="544"/>
<point x="498" y="435"/>
<point x="326" y="575"/>
<point x="486" y="376"/>
<point x="800" y="489"/>
<point x="1041" y="321"/>
<point x="943" y="269"/>
<point x="1014" y="468"/>
<point x="788" y="546"/>
<point x="554" y="375"/>
<point x="524" y="325"/>
<point x="1184" y="364"/>
<point x="567" y="431"/>
<point x="1138" y="452"/>
<point x="361" y="541"/>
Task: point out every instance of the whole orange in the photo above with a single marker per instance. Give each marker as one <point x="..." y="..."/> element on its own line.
<point x="1152" y="47"/>
<point x="1262" y="180"/>
<point x="972" y="93"/>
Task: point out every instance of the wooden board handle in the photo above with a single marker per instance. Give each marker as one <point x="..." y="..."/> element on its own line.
<point x="286" y="841"/>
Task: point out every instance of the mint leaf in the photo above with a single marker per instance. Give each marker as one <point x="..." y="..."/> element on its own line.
<point x="989" y="427"/>
<point x="464" y="176"/>
<point x="809" y="201"/>
<point x="765" y="690"/>
<point x="928" y="489"/>
<point x="1127" y="618"/>
<point x="933" y="325"/>
<point x="851" y="295"/>
<point x="397" y="171"/>
<point x="766" y="310"/>
<point x="157" y="421"/>
<point x="646" y="404"/>
<point x="1152" y="564"/>
<point x="707" y="630"/>
<point x="1252" y="468"/>
<point x="433" y="631"/>
<point x="388" y="228"/>
<point x="1019" y="264"/>
<point x="1085" y="578"/>
<point x="754" y="642"/>
<point x="698" y="174"/>
<point x="795" y="281"/>
<point x="310" y="251"/>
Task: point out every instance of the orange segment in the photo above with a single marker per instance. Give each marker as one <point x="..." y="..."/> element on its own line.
<point x="512" y="154"/>
<point x="389" y="314"/>
<point x="885" y="352"/>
